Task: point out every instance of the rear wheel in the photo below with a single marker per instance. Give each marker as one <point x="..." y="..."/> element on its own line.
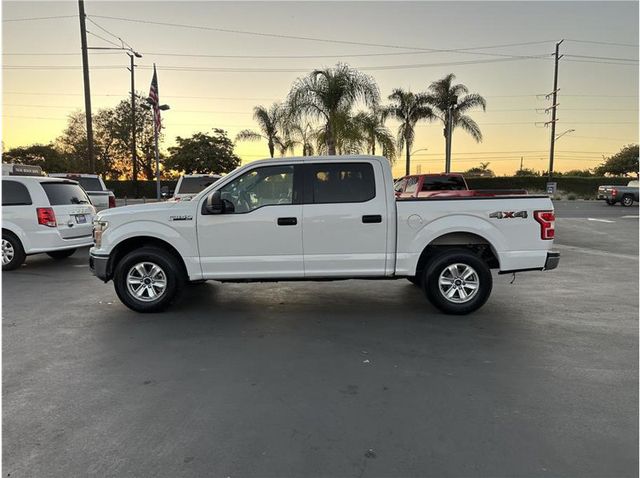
<point x="457" y="282"/>
<point x="627" y="200"/>
<point x="148" y="279"/>
<point x="12" y="252"/>
<point x="61" y="254"/>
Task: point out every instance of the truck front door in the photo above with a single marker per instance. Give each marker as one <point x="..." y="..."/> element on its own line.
<point x="260" y="234"/>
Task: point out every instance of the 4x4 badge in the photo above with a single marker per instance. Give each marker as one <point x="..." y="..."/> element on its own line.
<point x="508" y="214"/>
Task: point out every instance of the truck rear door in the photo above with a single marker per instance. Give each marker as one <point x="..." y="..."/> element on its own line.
<point x="344" y="219"/>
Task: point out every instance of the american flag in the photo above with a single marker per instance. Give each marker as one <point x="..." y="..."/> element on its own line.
<point x="154" y="98"/>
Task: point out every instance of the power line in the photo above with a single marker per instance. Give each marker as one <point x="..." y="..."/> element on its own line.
<point x="110" y="33"/>
<point x="36" y="18"/>
<point x="603" y="43"/>
<point x="104" y="39"/>
<point x="603" y="58"/>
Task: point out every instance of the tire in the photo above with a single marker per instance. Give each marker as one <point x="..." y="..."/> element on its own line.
<point x="148" y="268"/>
<point x="452" y="266"/>
<point x="12" y="252"/>
<point x="57" y="255"/>
<point x="610" y="202"/>
<point x="415" y="280"/>
<point x="627" y="200"/>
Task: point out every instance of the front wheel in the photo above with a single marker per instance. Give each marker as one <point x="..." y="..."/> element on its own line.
<point x="148" y="279"/>
<point x="627" y="201"/>
<point x="61" y="254"/>
<point x="457" y="282"/>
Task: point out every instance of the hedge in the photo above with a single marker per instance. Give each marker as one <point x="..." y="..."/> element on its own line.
<point x="145" y="188"/>
<point x="582" y="186"/>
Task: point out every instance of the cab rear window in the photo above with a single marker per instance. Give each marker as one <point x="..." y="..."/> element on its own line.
<point x="63" y="194"/>
<point x="195" y="185"/>
<point x="90" y="184"/>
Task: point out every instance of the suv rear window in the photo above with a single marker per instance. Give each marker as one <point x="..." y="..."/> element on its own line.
<point x="15" y="194"/>
<point x="61" y="194"/>
<point x="445" y="183"/>
<point x="90" y="184"/>
<point x="194" y="185"/>
<point x="342" y="182"/>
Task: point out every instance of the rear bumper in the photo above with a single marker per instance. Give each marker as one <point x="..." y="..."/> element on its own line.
<point x="99" y="266"/>
<point x="553" y="259"/>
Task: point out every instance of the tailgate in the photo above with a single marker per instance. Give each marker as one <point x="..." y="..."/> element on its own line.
<point x="74" y="213"/>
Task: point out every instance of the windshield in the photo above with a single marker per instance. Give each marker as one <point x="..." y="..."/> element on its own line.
<point x="194" y="185"/>
<point x="61" y="194"/>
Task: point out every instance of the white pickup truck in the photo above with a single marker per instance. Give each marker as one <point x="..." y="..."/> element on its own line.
<point x="321" y="218"/>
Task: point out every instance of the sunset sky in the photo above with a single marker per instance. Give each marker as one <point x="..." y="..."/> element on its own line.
<point x="598" y="75"/>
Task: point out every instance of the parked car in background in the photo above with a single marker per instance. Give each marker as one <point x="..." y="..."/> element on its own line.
<point x="444" y="185"/>
<point x="321" y="218"/>
<point x="191" y="184"/>
<point x="100" y="196"/>
<point x="43" y="214"/>
<point x="625" y="195"/>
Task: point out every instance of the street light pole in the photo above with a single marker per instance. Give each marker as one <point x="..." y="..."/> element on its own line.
<point x="554" y="107"/>
<point x="87" y="87"/>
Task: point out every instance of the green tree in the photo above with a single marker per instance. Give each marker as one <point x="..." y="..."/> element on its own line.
<point x="408" y="108"/>
<point x="526" y="172"/>
<point x="328" y="95"/>
<point x="481" y="171"/>
<point x="443" y="95"/>
<point x="623" y="163"/>
<point x="578" y="172"/>
<point x="44" y="155"/>
<point x="270" y="122"/>
<point x="203" y="153"/>
<point x="375" y="132"/>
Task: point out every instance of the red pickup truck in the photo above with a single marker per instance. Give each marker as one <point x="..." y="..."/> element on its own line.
<point x="443" y="185"/>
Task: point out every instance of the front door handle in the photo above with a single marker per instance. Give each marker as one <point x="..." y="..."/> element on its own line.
<point x="372" y="219"/>
<point x="287" y="221"/>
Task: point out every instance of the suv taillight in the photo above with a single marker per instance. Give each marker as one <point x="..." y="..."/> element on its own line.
<point x="46" y="217"/>
<point x="547" y="220"/>
<point x="112" y="201"/>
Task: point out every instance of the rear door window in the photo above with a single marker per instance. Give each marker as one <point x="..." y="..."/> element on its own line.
<point x="62" y="194"/>
<point x="15" y="194"/>
<point x="341" y="182"/>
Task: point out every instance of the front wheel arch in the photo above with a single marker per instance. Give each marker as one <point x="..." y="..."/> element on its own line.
<point x="128" y="245"/>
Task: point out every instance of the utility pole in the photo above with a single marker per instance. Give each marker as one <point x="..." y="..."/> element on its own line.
<point x="521" y="162"/>
<point x="87" y="88"/>
<point x="554" y="107"/>
<point x="134" y="153"/>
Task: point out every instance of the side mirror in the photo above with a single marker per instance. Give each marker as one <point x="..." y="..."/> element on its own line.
<point x="214" y="204"/>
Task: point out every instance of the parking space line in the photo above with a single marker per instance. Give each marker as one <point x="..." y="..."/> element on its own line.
<point x="595" y="252"/>
<point x="630" y="217"/>
<point x="599" y="220"/>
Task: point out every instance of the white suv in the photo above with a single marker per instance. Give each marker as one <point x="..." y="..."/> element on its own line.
<point x="43" y="214"/>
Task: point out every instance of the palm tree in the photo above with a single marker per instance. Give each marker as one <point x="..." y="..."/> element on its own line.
<point x="444" y="96"/>
<point x="408" y="108"/>
<point x="375" y="132"/>
<point x="302" y="135"/>
<point x="269" y="121"/>
<point x="329" y="94"/>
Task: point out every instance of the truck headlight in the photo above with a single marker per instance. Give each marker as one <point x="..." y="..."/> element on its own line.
<point x="98" y="228"/>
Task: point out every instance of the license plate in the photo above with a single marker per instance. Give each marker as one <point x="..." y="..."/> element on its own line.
<point x="81" y="219"/>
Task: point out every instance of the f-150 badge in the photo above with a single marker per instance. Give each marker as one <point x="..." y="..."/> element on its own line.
<point x="181" y="218"/>
<point x="508" y="214"/>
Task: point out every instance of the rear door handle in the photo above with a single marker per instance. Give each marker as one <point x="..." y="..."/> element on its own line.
<point x="371" y="219"/>
<point x="287" y="221"/>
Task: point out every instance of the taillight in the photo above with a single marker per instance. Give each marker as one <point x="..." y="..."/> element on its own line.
<point x="46" y="217"/>
<point x="614" y="191"/>
<point x="112" y="201"/>
<point x="547" y="220"/>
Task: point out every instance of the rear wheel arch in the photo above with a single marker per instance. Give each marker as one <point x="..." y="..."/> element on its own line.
<point x="475" y="243"/>
<point x="126" y="246"/>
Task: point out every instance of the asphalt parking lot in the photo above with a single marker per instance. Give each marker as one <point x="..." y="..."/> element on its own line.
<point x="353" y="379"/>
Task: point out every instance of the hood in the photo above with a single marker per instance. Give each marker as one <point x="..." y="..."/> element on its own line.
<point x="148" y="208"/>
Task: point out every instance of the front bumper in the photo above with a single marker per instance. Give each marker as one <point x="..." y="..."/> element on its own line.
<point x="99" y="266"/>
<point x="553" y="258"/>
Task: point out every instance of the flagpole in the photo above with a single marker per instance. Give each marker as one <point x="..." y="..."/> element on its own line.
<point x="155" y="139"/>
